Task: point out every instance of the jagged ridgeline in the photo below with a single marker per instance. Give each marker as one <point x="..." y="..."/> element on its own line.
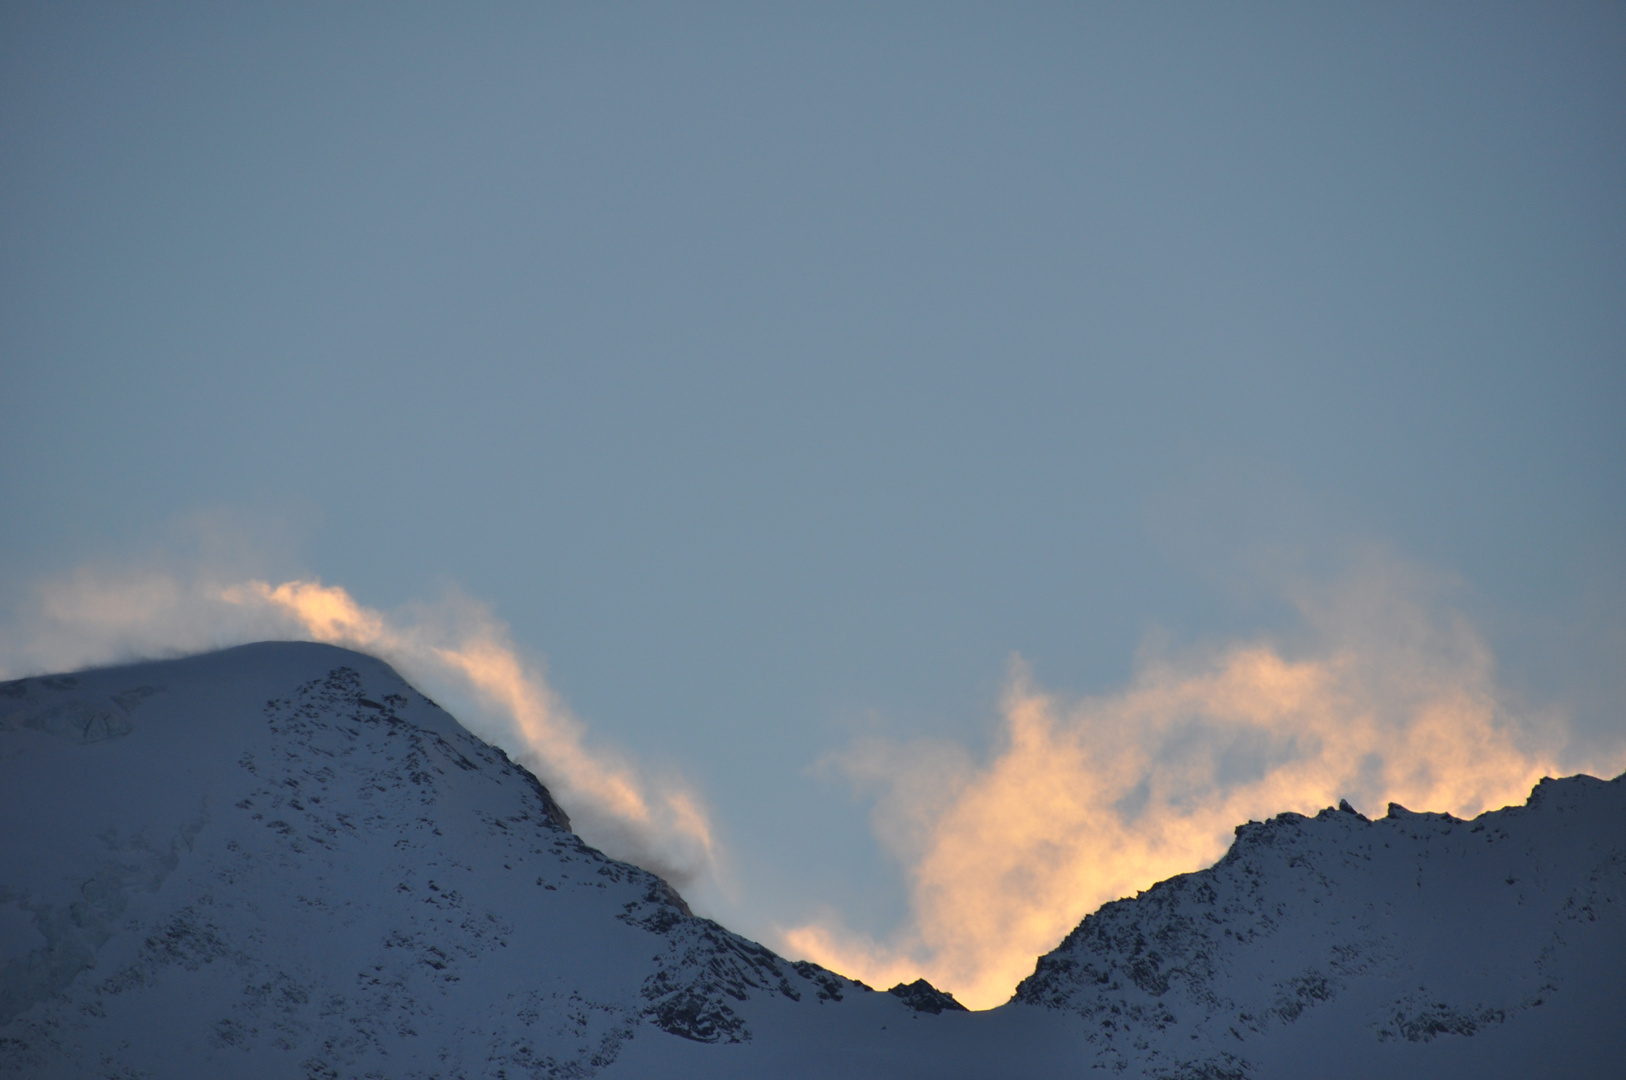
<point x="281" y="860"/>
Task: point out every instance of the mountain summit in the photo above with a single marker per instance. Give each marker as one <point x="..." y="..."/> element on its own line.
<point x="281" y="860"/>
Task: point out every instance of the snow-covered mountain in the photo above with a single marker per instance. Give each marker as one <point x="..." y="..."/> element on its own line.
<point x="1418" y="944"/>
<point x="280" y="860"/>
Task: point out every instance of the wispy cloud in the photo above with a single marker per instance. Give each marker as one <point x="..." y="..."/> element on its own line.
<point x="1385" y="697"/>
<point x="98" y="616"/>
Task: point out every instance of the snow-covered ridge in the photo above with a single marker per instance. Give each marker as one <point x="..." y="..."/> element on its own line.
<point x="1414" y="928"/>
<point x="281" y="860"/>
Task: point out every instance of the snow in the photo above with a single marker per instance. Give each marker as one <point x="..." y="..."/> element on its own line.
<point x="1334" y="943"/>
<point x="281" y="860"/>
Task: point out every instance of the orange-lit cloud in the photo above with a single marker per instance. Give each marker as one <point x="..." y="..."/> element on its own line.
<point x="455" y="647"/>
<point x="659" y="826"/>
<point x="1091" y="800"/>
<point x="1384" y="696"/>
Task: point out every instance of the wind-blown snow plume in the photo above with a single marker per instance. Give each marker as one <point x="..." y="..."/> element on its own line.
<point x="1092" y="800"/>
<point x="456" y="647"/>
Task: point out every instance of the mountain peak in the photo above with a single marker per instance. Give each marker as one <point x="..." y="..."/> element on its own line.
<point x="1386" y="925"/>
<point x="283" y="860"/>
<point x="922" y="996"/>
<point x="335" y="873"/>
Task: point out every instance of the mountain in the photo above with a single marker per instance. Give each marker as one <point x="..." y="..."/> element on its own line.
<point x="281" y="860"/>
<point x="1418" y="944"/>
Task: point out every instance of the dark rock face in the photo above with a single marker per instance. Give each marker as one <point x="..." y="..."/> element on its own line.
<point x="922" y="996"/>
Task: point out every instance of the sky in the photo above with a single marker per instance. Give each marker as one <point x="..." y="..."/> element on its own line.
<point x="910" y="472"/>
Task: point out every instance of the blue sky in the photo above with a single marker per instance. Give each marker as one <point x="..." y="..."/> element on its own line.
<point x="778" y="375"/>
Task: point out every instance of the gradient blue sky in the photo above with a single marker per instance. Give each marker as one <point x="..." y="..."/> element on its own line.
<point x="779" y="373"/>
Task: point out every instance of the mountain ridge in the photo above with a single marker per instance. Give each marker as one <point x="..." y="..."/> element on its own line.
<point x="350" y="760"/>
<point x="1169" y="957"/>
<point x="282" y="860"/>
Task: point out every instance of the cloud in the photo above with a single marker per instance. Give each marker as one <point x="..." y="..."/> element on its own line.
<point x="1383" y="697"/>
<point x="1385" y="694"/>
<point x="457" y="646"/>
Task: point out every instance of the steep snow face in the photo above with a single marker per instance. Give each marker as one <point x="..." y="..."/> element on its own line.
<point x="281" y="860"/>
<point x="1336" y="945"/>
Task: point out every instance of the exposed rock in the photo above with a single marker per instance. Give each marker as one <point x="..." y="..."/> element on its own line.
<point x="922" y="996"/>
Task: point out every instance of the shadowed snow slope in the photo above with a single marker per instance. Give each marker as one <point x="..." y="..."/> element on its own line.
<point x="280" y="860"/>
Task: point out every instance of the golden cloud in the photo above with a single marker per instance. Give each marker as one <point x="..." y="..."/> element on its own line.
<point x="1092" y="800"/>
<point x="98" y="616"/>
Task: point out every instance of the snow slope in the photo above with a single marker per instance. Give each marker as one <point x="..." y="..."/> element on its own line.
<point x="280" y="860"/>
<point x="1415" y="945"/>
